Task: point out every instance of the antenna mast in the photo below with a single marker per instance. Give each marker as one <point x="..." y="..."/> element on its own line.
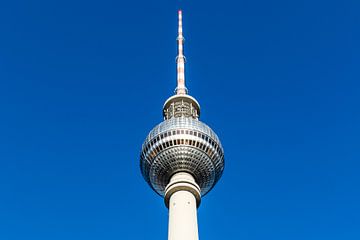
<point x="180" y="60"/>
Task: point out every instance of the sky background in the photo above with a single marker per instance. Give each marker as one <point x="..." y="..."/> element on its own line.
<point x="83" y="82"/>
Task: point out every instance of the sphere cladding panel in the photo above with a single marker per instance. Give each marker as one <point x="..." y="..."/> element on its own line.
<point x="182" y="144"/>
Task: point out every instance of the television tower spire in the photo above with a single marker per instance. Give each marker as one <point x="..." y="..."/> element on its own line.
<point x="180" y="60"/>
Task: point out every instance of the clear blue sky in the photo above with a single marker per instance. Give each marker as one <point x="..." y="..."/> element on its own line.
<point x="83" y="82"/>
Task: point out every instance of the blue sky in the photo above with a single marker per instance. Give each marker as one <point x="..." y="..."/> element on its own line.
<point x="83" y="82"/>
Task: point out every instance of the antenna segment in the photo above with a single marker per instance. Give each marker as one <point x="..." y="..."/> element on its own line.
<point x="180" y="60"/>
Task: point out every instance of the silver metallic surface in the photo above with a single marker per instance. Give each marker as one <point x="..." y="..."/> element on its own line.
<point x="182" y="144"/>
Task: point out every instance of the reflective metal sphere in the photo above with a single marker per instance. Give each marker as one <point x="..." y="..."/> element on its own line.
<point x="182" y="144"/>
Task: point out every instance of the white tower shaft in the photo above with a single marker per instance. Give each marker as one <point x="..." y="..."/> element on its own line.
<point x="183" y="217"/>
<point x="182" y="198"/>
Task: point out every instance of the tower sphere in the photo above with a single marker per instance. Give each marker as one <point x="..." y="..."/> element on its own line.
<point x="181" y="143"/>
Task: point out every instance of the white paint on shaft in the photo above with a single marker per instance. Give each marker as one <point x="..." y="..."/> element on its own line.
<point x="183" y="216"/>
<point x="182" y="198"/>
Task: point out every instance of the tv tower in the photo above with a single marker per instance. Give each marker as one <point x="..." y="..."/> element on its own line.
<point x="182" y="158"/>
